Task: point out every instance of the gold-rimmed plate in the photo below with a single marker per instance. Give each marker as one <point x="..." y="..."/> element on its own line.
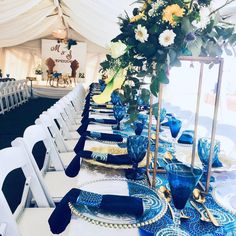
<point x="155" y="206"/>
<point x="114" y="151"/>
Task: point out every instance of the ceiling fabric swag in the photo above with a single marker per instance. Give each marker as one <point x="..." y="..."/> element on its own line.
<point x="15" y="8"/>
<point x="29" y="26"/>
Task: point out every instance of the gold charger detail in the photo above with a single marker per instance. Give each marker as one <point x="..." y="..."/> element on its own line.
<point x="114" y="151"/>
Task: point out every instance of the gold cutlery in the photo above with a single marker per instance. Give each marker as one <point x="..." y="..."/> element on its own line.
<point x="198" y="197"/>
<point x="203" y="217"/>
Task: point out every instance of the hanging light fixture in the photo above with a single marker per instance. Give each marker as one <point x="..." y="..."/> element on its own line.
<point x="59" y="33"/>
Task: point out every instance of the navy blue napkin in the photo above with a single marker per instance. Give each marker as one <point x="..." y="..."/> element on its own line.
<point x="104" y="136"/>
<point x="74" y="167"/>
<point x="61" y="215"/>
<point x="217" y="163"/>
<point x="80" y="145"/>
<point x="186" y="137"/>
<point x="96" y="135"/>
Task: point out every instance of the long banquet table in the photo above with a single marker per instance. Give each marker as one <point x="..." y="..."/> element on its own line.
<point x="90" y="173"/>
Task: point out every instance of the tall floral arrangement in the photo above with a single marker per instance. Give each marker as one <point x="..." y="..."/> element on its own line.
<point x="152" y="39"/>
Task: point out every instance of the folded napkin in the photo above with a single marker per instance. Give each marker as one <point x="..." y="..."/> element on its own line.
<point x="73" y="168"/>
<point x="217" y="163"/>
<point x="104" y="136"/>
<point x="85" y="122"/>
<point x="186" y="137"/>
<point x="87" y="111"/>
<point x="115" y="204"/>
<point x="98" y="136"/>
<point x="80" y="145"/>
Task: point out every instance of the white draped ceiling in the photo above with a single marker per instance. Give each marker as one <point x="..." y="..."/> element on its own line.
<point x="24" y="22"/>
<point x="96" y="20"/>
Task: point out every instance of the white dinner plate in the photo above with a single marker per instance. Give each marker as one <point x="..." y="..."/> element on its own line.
<point x="225" y="195"/>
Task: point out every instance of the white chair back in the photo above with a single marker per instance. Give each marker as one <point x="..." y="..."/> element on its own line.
<point x="52" y="129"/>
<point x="11" y="159"/>
<point x="36" y="133"/>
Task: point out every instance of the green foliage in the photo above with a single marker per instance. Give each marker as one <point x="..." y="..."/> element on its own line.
<point x="150" y="57"/>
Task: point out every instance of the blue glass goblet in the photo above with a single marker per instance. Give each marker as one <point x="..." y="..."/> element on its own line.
<point x="203" y="148"/>
<point x="138" y="127"/>
<point x="137" y="147"/>
<point x="175" y="126"/>
<point x="140" y="123"/>
<point x="8" y="75"/>
<point x="182" y="180"/>
<point x="102" y="85"/>
<point x="119" y="113"/>
<point x="115" y="98"/>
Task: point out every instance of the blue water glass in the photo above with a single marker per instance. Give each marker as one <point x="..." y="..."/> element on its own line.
<point x="137" y="148"/>
<point x="182" y="180"/>
<point x="138" y="127"/>
<point x="204" y="145"/>
<point x="175" y="126"/>
<point x="115" y="98"/>
<point x="119" y="113"/>
<point x="102" y="85"/>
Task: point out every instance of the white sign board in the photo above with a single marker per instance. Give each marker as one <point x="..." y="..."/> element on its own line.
<point x="63" y="57"/>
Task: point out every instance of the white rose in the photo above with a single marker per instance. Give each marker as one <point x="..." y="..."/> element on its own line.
<point x="205" y="19"/>
<point x="117" y="49"/>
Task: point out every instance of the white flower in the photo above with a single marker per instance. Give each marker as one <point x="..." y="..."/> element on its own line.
<point x="141" y="33"/>
<point x="204" y="20"/>
<point x="117" y="49"/>
<point x="130" y="83"/>
<point x="156" y="5"/>
<point x="167" y="38"/>
<point x="151" y="12"/>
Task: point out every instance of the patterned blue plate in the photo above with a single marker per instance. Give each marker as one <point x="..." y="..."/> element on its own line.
<point x="154" y="205"/>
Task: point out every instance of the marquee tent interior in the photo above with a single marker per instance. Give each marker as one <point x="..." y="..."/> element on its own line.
<point x="23" y="26"/>
<point x="23" y="23"/>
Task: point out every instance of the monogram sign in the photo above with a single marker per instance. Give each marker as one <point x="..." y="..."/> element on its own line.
<point x="62" y="56"/>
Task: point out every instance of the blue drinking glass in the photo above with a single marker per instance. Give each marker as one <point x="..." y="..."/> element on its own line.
<point x="119" y="113"/>
<point x="182" y="180"/>
<point x="8" y="75"/>
<point x="138" y="127"/>
<point x="140" y="123"/>
<point x="203" y="148"/>
<point x="102" y="85"/>
<point x="137" y="148"/>
<point x="175" y="126"/>
<point x="115" y="98"/>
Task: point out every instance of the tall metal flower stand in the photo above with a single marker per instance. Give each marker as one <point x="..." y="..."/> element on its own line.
<point x="152" y="172"/>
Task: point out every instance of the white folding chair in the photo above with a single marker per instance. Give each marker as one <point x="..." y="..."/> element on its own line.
<point x="55" y="116"/>
<point x="13" y="85"/>
<point x="68" y="129"/>
<point x="59" y="144"/>
<point x="24" y="221"/>
<point x="4" y="104"/>
<point x="19" y="93"/>
<point x="56" y="183"/>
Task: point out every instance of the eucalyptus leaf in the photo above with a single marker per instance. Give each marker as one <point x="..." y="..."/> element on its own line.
<point x="154" y="87"/>
<point x="227" y="50"/>
<point x="195" y="47"/>
<point x="186" y="26"/>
